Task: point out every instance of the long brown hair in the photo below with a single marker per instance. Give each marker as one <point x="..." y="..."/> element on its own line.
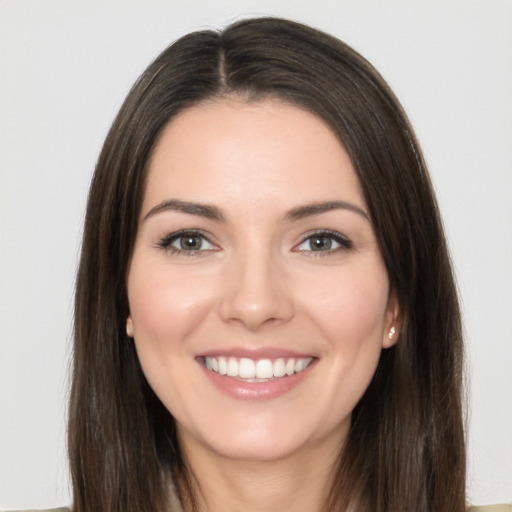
<point x="405" y="450"/>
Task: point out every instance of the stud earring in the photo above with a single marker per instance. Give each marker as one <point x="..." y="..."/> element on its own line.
<point x="392" y="332"/>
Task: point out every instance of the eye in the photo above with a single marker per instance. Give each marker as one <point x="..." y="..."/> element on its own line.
<point x="324" y="241"/>
<point x="190" y="242"/>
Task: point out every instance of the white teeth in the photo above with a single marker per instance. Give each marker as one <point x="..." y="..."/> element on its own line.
<point x="300" y="365"/>
<point x="232" y="367"/>
<point x="265" y="369"/>
<point x="290" y="367"/>
<point x="246" y="369"/>
<point x="223" y="366"/>
<point x="279" y="368"/>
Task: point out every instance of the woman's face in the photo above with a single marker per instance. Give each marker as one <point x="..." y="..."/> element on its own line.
<point x="259" y="300"/>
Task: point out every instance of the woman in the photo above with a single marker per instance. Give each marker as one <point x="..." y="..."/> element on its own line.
<point x="265" y="311"/>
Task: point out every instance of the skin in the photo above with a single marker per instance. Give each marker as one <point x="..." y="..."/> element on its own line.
<point x="254" y="282"/>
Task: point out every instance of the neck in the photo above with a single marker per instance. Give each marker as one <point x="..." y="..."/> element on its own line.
<point x="300" y="482"/>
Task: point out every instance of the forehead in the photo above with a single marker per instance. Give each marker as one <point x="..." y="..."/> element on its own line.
<point x="267" y="149"/>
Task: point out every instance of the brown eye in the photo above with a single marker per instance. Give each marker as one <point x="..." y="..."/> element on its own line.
<point x="320" y="243"/>
<point x="187" y="242"/>
<point x="324" y="242"/>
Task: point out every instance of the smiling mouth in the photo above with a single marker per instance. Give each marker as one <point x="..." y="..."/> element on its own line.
<point x="261" y="370"/>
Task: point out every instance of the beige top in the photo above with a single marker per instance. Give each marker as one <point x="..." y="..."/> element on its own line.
<point x="175" y="505"/>
<point x="491" y="508"/>
<point x="485" y="508"/>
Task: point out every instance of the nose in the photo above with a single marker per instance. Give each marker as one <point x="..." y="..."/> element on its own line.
<point x="255" y="293"/>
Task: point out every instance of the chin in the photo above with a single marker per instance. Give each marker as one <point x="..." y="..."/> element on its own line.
<point x="264" y="438"/>
<point x="262" y="449"/>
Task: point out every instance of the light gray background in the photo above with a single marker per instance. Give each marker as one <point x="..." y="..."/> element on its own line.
<point x="65" y="67"/>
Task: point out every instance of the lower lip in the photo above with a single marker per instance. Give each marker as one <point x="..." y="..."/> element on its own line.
<point x="256" y="390"/>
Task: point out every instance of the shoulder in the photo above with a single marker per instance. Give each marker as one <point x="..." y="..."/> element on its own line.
<point x="491" y="508"/>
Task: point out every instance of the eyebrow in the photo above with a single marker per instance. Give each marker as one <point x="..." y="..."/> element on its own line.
<point x="200" y="209"/>
<point x="309" y="210"/>
<point x="209" y="211"/>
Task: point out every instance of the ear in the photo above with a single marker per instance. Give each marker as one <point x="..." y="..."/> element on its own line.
<point x="129" y="326"/>
<point x="393" y="321"/>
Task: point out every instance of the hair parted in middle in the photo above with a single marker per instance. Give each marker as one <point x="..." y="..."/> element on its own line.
<point x="405" y="450"/>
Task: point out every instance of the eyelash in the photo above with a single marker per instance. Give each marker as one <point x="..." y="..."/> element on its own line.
<point x="167" y="241"/>
<point x="344" y="242"/>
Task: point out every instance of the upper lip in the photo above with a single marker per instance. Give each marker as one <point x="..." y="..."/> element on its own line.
<point x="255" y="353"/>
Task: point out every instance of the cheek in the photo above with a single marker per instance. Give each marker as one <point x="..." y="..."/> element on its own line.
<point x="351" y="321"/>
<point x="351" y="308"/>
<point x="166" y="306"/>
